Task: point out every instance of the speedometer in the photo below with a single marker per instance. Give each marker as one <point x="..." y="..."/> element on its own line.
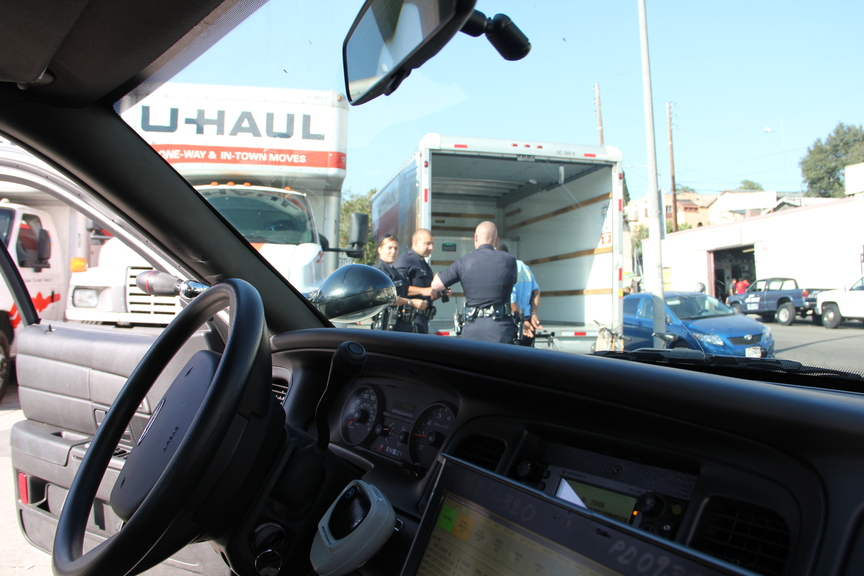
<point x="360" y="415"/>
<point x="428" y="434"/>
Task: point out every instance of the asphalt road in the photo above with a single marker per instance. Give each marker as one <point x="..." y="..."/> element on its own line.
<point x="810" y="344"/>
<point x="802" y="341"/>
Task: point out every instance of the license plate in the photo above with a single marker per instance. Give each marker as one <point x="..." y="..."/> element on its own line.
<point x="753" y="306"/>
<point x="753" y="352"/>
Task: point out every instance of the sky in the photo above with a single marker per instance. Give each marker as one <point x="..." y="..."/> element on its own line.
<point x="752" y="84"/>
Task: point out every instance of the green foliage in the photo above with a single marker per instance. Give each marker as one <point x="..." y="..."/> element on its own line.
<point x="626" y="191"/>
<point x="749" y="185"/>
<point x="637" y="235"/>
<point x="357" y="203"/>
<point x="687" y="189"/>
<point x="684" y="226"/>
<point x="823" y="166"/>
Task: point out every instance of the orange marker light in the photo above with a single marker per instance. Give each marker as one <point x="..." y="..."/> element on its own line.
<point x="78" y="264"/>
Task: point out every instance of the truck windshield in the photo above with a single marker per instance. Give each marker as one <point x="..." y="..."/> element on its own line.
<point x="263" y="216"/>
<point x="6" y="218"/>
<point x="701" y="306"/>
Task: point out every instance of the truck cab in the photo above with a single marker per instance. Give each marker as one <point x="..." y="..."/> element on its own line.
<point x="28" y="234"/>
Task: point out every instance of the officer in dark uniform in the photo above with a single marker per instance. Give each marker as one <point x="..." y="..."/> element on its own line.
<point x="487" y="278"/>
<point x="412" y="264"/>
<point x="400" y="317"/>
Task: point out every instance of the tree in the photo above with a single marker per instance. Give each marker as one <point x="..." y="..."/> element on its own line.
<point x="687" y="189"/>
<point x="637" y="235"/>
<point x="684" y="226"/>
<point x="626" y="191"/>
<point x="357" y="203"/>
<point x="823" y="166"/>
<point x="749" y="185"/>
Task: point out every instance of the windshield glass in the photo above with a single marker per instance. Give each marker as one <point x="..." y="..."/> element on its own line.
<point x="263" y="215"/>
<point x="737" y="175"/>
<point x="6" y="218"/>
<point x="699" y="306"/>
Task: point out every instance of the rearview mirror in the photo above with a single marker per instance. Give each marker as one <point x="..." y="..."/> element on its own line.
<point x="389" y="38"/>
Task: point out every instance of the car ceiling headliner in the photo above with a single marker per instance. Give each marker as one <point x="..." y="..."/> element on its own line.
<point x="99" y="50"/>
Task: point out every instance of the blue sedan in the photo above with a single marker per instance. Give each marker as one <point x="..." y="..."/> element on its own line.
<point x="700" y="322"/>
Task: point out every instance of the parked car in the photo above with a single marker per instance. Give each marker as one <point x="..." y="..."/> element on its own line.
<point x="699" y="322"/>
<point x="777" y="299"/>
<point x="834" y="306"/>
<point x="220" y="444"/>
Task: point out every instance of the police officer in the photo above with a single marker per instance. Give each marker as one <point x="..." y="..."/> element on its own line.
<point x="412" y="265"/>
<point x="524" y="301"/>
<point x="400" y="316"/>
<point x="487" y="277"/>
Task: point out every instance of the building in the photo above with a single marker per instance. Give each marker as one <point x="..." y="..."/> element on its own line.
<point x="692" y="209"/>
<point x="783" y="242"/>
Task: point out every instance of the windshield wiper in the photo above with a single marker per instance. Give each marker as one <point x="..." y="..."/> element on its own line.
<point x="766" y="369"/>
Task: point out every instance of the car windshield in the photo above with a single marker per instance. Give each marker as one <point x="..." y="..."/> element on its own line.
<point x="698" y="306"/>
<point x="742" y="182"/>
<point x="737" y="135"/>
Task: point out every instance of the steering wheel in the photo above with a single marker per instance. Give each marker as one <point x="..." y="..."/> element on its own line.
<point x="215" y="431"/>
<point x="281" y="225"/>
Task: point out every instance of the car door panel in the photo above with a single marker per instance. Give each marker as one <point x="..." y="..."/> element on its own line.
<point x="68" y="376"/>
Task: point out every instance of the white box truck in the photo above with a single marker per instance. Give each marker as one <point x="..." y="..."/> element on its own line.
<point x="271" y="160"/>
<point x="558" y="207"/>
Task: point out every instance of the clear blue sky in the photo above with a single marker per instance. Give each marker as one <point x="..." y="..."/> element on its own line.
<point x="753" y="83"/>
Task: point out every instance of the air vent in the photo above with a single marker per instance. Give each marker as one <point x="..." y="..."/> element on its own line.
<point x="480" y="450"/>
<point x="280" y="389"/>
<point x="746" y="535"/>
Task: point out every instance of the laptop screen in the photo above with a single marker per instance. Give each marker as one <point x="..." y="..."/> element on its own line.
<point x="480" y="524"/>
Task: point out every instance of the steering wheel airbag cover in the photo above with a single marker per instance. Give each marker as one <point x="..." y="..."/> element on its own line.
<point x="166" y="428"/>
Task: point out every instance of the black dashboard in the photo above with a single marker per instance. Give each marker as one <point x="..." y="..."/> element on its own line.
<point x="655" y="448"/>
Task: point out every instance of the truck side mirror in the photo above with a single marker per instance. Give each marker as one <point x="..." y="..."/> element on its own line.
<point x="358" y="234"/>
<point x="353" y="293"/>
<point x="43" y="254"/>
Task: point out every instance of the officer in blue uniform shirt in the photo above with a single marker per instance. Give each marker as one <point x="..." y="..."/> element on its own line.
<point x="487" y="278"/>
<point x="413" y="266"/>
<point x="400" y="316"/>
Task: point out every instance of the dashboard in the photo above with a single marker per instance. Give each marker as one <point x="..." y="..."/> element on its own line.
<point x="653" y="448"/>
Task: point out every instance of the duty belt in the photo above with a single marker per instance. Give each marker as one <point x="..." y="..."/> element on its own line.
<point x="408" y="313"/>
<point x="495" y="311"/>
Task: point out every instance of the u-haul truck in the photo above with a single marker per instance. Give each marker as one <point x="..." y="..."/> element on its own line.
<point x="558" y="207"/>
<point x="270" y="160"/>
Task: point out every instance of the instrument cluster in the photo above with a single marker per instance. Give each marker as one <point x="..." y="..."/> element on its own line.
<point x="402" y="423"/>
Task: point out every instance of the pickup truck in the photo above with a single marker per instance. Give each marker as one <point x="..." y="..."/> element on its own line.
<point x="834" y="306"/>
<point x="779" y="299"/>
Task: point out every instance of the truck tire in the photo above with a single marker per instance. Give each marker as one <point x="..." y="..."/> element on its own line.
<point x="5" y="365"/>
<point x="785" y="314"/>
<point x="737" y="308"/>
<point x="831" y="317"/>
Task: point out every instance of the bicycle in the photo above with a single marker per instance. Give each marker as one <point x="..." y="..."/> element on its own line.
<point x="608" y="339"/>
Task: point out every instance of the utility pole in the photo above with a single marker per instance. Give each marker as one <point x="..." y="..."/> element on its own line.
<point x="672" y="169"/>
<point x="599" y="113"/>
<point x="656" y="224"/>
